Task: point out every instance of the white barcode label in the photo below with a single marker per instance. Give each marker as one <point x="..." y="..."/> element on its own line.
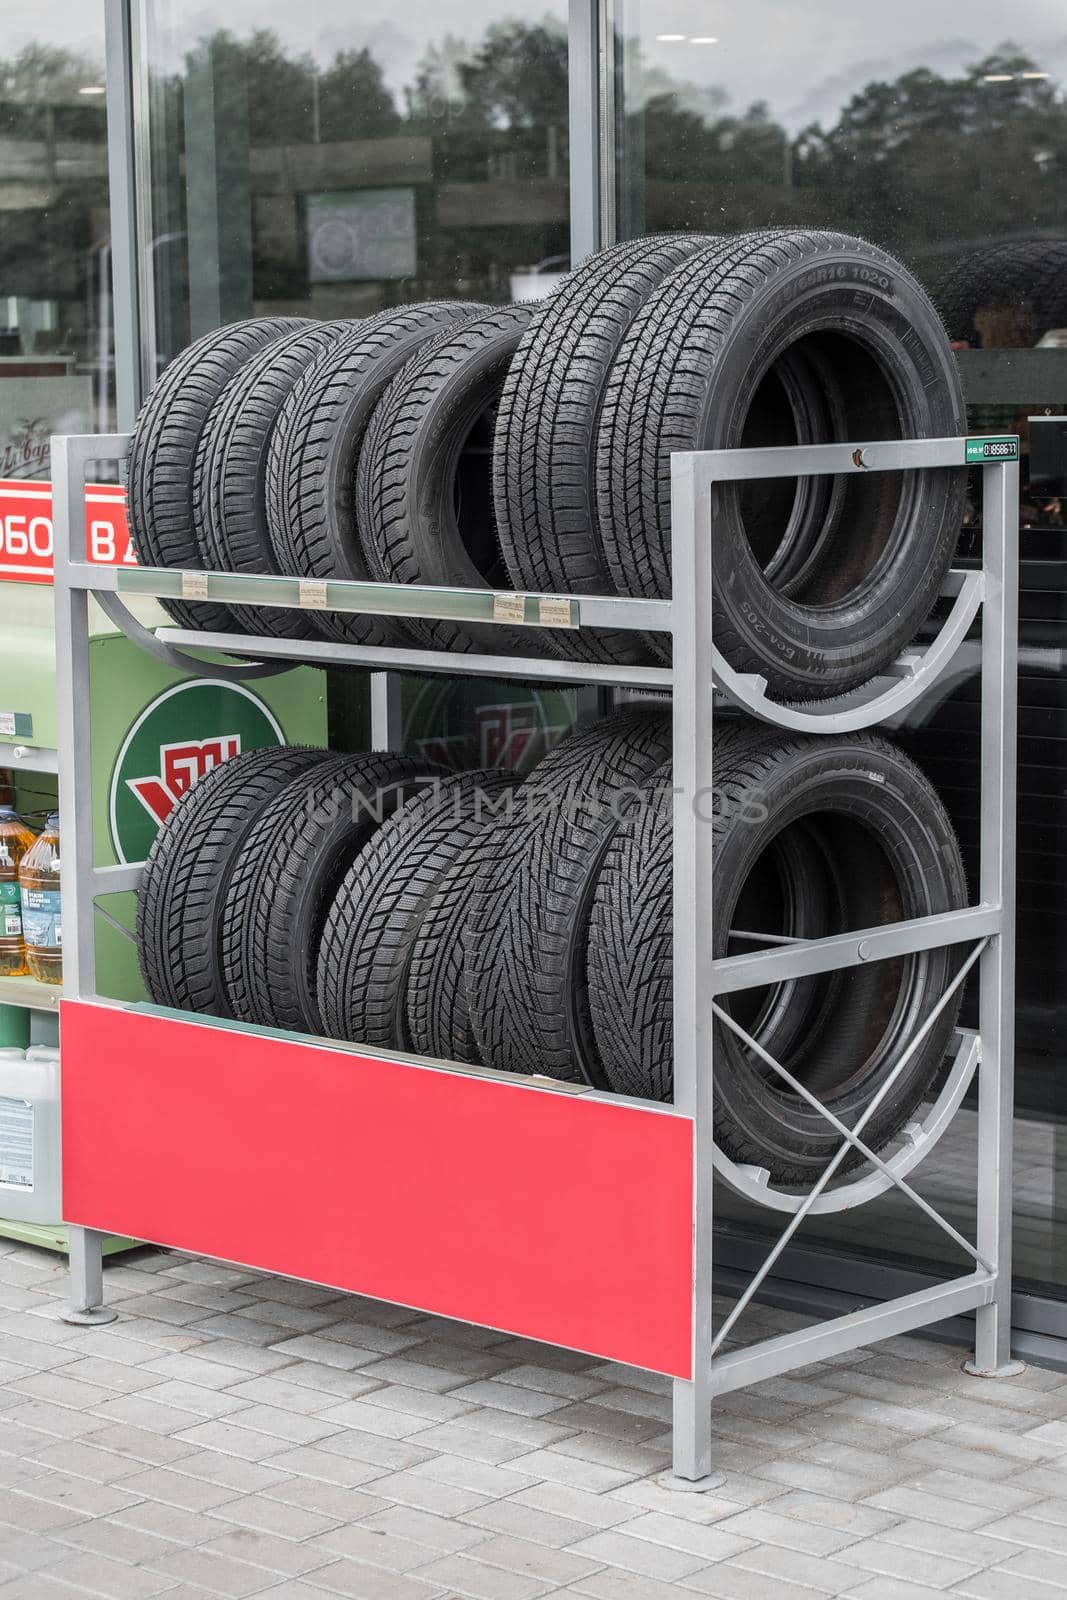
<point x="509" y="608"/>
<point x="194" y="585"/>
<point x="555" y="614"/>
<point x="313" y="594"/>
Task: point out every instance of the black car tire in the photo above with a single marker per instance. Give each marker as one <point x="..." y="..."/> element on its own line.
<point x="776" y="337"/>
<point x="162" y="454"/>
<point x="812" y="837"/>
<point x="424" y="486"/>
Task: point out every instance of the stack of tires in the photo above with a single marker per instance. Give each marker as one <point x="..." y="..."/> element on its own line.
<point x="466" y="445"/>
<point x="527" y="927"/>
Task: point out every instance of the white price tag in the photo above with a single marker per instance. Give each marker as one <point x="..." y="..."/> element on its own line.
<point x="556" y="614"/>
<point x="313" y="594"/>
<point x="194" y="585"/>
<point x="509" y="608"/>
<point x="7" y="723"/>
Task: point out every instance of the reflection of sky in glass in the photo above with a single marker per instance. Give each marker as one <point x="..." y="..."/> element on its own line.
<point x="804" y="60"/>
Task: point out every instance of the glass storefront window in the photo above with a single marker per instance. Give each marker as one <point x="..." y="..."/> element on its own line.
<point x="328" y="165"/>
<point x="56" y="372"/>
<point x="943" y="138"/>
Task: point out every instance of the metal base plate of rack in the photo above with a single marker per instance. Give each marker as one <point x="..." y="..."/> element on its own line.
<point x="425" y="1182"/>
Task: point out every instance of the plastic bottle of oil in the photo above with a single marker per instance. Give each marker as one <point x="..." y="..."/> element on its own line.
<point x="15" y="840"/>
<point x="42" y="928"/>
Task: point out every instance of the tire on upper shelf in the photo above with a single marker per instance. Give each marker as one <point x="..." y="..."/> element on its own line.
<point x="229" y="482"/>
<point x="286" y="875"/>
<point x="184" y="881"/>
<point x="813" y="836"/>
<point x="369" y="938"/>
<point x="544" y="487"/>
<point x="311" y="467"/>
<point x="424" y="484"/>
<point x="162" y="454"/>
<point x="788" y="336"/>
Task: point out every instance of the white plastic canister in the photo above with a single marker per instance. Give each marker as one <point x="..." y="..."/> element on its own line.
<point x="30" y="1172"/>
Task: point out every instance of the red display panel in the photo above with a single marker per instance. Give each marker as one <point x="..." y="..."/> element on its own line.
<point x="541" y="1213"/>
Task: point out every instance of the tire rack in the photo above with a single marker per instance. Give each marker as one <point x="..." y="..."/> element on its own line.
<point x="700" y="1372"/>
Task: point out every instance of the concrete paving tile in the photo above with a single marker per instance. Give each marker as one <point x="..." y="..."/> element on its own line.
<point x="464" y="1575"/>
<point x="291" y="1558"/>
<point x="374" y="1547"/>
<point x="614" y="1584"/>
<point x="616" y="1547"/>
<point x="766" y="1525"/>
<point x="84" y="1460"/>
<point x="98" y="1574"/>
<point x="217" y="1574"/>
<point x="80" y="1494"/>
<point x="232" y="1439"/>
<point x="525" y="1522"/>
<point x="728" y="1581"/>
<point x="334" y="1502"/>
<point x="828" y="1573"/>
<point x="571" y="1470"/>
<point x="275" y="1516"/>
<point x="502" y="1396"/>
<point x="424" y="1527"/>
<point x="887" y="1558"/>
<point x="581" y="1505"/>
<point x="309" y="1462"/>
<point x="107" y="1536"/>
<point x="862" y="1520"/>
<point x="413" y="1488"/>
<point x="421" y="1403"/>
<point x="362" y="1582"/>
<point x="151" y="1449"/>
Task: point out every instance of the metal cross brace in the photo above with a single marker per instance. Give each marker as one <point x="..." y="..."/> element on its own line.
<point x="851" y="1138"/>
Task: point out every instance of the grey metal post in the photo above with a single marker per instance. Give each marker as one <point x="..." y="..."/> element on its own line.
<point x="87" y="1280"/>
<point x="693" y="1023"/>
<point x="75" y="810"/>
<point x="1000" y="541"/>
<point x="73" y="741"/>
<point x="386" y="712"/>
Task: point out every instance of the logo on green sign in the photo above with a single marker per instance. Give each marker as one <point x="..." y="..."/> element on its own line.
<point x="984" y="452"/>
<point x="179" y="736"/>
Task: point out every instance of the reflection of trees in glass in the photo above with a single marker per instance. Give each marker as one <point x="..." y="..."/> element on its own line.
<point x="921" y="164"/>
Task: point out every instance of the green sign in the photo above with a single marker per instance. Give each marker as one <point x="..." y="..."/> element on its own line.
<point x="180" y="735"/>
<point x="985" y="452"/>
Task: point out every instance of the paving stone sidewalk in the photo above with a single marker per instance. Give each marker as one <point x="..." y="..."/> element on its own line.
<point x="236" y="1434"/>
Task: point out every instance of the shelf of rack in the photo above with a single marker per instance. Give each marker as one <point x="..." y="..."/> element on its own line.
<point x="30" y="993"/>
<point x="370" y="1170"/>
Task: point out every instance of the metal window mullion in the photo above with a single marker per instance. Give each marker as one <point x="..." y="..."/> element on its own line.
<point x="583" y="136"/>
<point x="1000" y="500"/>
<point x="122" y="200"/>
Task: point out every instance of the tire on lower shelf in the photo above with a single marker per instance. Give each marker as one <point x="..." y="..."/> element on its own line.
<point x="370" y="934"/>
<point x="314" y="452"/>
<point x="802" y="337"/>
<point x="526" y="929"/>
<point x="544" y="487"/>
<point x="162" y="454"/>
<point x="185" y="877"/>
<point x="229" y="485"/>
<point x="812" y="837"/>
<point x="424" y="485"/>
<point x="287" y="873"/>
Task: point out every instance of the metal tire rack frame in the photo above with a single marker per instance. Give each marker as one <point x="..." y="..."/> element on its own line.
<point x="697" y="679"/>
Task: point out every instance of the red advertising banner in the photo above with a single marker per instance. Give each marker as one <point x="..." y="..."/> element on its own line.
<point x="26" y="534"/>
